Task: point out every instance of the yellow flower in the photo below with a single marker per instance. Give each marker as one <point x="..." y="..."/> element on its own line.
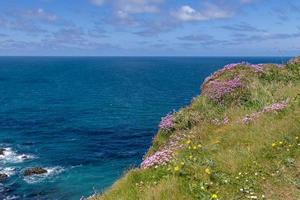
<point x="274" y="145"/>
<point x="280" y="142"/>
<point x="182" y="163"/>
<point x="190" y="147"/>
<point x="214" y="196"/>
<point x="188" y="142"/>
<point x="195" y="159"/>
<point x="208" y="171"/>
<point x="176" y="169"/>
<point x="199" y="145"/>
<point x="297" y="138"/>
<point x="194" y="147"/>
<point x="190" y="157"/>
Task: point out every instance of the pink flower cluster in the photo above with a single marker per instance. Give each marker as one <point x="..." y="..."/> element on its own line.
<point x="163" y="156"/>
<point x="249" y="118"/>
<point x="275" y="107"/>
<point x="271" y="108"/>
<point x="167" y="122"/>
<point x="257" y="67"/>
<point x="216" y="90"/>
<point x="219" y="122"/>
<point x="158" y="158"/>
<point x="221" y="71"/>
<point x="279" y="65"/>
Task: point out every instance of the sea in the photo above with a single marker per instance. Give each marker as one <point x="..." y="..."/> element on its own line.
<point x="88" y="120"/>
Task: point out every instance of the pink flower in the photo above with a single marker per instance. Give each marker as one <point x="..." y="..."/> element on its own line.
<point x="158" y="158"/>
<point x="221" y="71"/>
<point x="219" y="122"/>
<point x="249" y="118"/>
<point x="216" y="90"/>
<point x="229" y="67"/>
<point x="270" y="108"/>
<point x="165" y="154"/>
<point x="275" y="107"/>
<point x="257" y="67"/>
<point x="167" y="122"/>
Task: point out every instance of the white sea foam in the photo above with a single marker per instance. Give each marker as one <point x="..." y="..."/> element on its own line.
<point x="9" y="171"/>
<point x="51" y="172"/>
<point x="13" y="197"/>
<point x="10" y="156"/>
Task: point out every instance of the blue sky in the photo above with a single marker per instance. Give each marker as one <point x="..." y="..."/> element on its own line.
<point x="150" y="27"/>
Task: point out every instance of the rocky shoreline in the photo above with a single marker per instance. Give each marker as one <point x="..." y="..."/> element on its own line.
<point x="27" y="172"/>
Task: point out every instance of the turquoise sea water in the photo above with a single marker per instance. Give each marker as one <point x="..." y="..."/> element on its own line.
<point x="88" y="119"/>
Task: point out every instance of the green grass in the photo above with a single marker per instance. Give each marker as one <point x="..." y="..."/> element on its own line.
<point x="260" y="160"/>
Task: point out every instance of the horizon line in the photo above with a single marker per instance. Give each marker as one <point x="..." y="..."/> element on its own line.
<point x="135" y="56"/>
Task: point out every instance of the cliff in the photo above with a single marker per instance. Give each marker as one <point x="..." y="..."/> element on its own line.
<point x="240" y="139"/>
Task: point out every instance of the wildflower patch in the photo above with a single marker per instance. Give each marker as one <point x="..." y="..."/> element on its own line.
<point x="216" y="90"/>
<point x="167" y="123"/>
<point x="267" y="109"/>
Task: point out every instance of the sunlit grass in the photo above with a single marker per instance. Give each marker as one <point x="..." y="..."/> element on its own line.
<point x="228" y="159"/>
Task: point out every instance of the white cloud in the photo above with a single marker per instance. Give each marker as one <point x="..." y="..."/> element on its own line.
<point x="125" y="9"/>
<point x="41" y="14"/>
<point x="97" y="2"/>
<point x="132" y="6"/>
<point x="187" y="13"/>
<point x="138" y="6"/>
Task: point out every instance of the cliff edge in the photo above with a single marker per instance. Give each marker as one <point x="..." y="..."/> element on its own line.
<point x="239" y="139"/>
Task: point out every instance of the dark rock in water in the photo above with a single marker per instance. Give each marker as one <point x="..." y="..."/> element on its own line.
<point x="295" y="60"/>
<point x="34" y="171"/>
<point x="2" y="151"/>
<point x="3" y="177"/>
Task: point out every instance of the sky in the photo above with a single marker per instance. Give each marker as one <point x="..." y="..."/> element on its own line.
<point x="149" y="27"/>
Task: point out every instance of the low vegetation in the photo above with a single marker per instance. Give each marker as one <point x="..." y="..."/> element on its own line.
<point x="240" y="139"/>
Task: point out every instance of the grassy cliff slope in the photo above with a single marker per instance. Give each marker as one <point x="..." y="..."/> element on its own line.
<point x="240" y="139"/>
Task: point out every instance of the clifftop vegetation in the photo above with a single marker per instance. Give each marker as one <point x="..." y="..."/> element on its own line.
<point x="240" y="139"/>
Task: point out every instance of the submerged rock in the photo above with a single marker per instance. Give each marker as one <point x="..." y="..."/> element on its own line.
<point x="34" y="171"/>
<point x="25" y="157"/>
<point x="3" y="177"/>
<point x="2" y="151"/>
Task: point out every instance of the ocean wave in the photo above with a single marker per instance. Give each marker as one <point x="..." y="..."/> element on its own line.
<point x="51" y="172"/>
<point x="13" y="197"/>
<point x="10" y="156"/>
<point x="9" y="171"/>
<point x="4" y="193"/>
